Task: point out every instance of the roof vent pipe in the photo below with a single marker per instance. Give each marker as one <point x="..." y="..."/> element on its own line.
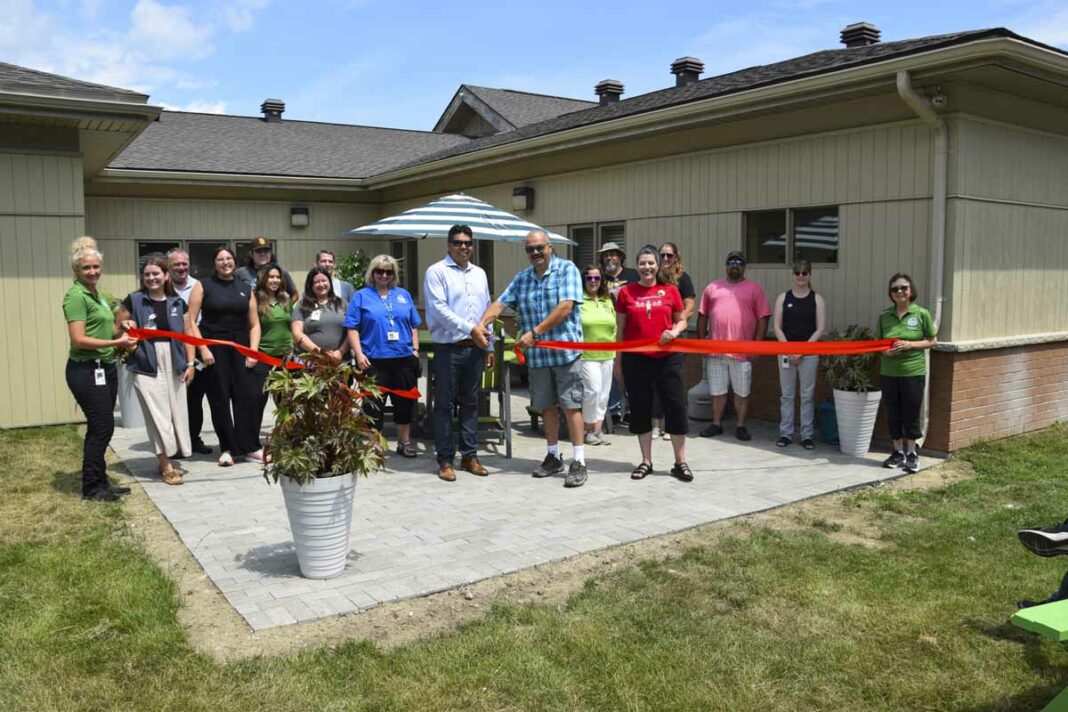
<point x="860" y="34"/>
<point x="609" y="91"/>
<point x="687" y="70"/>
<point x="272" y="110"/>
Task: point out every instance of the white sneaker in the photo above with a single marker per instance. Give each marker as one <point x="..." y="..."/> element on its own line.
<point x="657" y="432"/>
<point x="602" y="438"/>
<point x="593" y="439"/>
<point x="665" y="435"/>
<point x="226" y="459"/>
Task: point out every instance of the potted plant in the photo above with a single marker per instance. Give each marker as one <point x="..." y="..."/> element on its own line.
<point x="321" y="442"/>
<point x="856" y="399"/>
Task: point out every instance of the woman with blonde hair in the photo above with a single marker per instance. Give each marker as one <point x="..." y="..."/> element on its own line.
<point x="672" y="272"/>
<point x="91" y="373"/>
<point x="383" y="329"/>
<point x="161" y="367"/>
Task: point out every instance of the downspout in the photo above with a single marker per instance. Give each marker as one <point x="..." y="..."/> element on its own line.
<point x="940" y="172"/>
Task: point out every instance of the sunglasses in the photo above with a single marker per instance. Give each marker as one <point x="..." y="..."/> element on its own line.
<point x="461" y="243"/>
<point x="593" y="278"/>
<point x="382" y="272"/>
<point x="535" y="249"/>
<point x="667" y="255"/>
<point x="735" y="263"/>
<point x="802" y="273"/>
<point x="900" y="289"/>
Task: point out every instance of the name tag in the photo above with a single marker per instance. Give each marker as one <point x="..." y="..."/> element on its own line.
<point x="99" y="377"/>
<point x="392" y="336"/>
<point x="315" y="315"/>
<point x="784" y="361"/>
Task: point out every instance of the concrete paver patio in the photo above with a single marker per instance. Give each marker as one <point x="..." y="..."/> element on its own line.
<point x="413" y="534"/>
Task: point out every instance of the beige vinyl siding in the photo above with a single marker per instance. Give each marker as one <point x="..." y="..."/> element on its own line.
<point x="41" y="212"/>
<point x="1008" y="231"/>
<point x="879" y="176"/>
<point x="119" y="223"/>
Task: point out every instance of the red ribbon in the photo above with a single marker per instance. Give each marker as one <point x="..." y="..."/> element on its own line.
<point x="708" y="346"/>
<point x="138" y="333"/>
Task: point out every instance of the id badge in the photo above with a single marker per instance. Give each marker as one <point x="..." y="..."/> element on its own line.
<point x="99" y="377"/>
<point x="785" y="361"/>
<point x="392" y="336"/>
<point x="315" y="315"/>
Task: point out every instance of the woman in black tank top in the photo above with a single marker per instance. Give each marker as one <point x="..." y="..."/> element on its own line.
<point x="799" y="316"/>
<point x="228" y="312"/>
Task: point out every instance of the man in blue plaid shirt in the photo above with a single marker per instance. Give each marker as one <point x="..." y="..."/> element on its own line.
<point x="546" y="296"/>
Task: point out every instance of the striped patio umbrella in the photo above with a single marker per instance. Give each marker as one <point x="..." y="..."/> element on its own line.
<point x="434" y="219"/>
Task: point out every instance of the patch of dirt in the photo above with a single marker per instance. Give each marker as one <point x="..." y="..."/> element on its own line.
<point x="216" y="629"/>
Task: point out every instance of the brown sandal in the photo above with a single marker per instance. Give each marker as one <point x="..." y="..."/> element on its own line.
<point x="172" y="476"/>
<point x="641" y="471"/>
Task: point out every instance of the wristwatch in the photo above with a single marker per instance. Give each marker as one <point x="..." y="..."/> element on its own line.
<point x="535" y="334"/>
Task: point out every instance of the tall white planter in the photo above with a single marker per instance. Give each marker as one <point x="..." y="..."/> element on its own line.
<point x="320" y="515"/>
<point x="129" y="405"/>
<point x="856" y="414"/>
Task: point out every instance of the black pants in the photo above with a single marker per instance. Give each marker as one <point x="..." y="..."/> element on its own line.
<point x="194" y="401"/>
<point x="398" y="373"/>
<point x="903" y="396"/>
<point x="258" y="377"/>
<point x="233" y="400"/>
<point x="457" y="376"/>
<point x="643" y="376"/>
<point x="98" y="404"/>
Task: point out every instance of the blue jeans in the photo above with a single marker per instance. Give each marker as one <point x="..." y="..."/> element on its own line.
<point x="457" y="376"/>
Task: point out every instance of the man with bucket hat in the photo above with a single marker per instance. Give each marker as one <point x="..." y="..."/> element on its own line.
<point x="612" y="257"/>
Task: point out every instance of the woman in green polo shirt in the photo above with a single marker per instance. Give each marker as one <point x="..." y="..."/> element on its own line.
<point x="598" y="324"/>
<point x="276" y="338"/>
<point x="903" y="369"/>
<point x="91" y="374"/>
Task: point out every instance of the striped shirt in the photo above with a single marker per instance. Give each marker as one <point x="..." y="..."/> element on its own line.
<point x="533" y="297"/>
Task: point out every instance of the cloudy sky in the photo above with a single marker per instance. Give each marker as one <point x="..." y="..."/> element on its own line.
<point x="398" y="63"/>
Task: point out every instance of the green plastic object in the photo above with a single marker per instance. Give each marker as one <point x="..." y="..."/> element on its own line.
<point x="1050" y="620"/>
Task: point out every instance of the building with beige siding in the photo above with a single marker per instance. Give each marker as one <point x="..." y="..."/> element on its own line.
<point x="945" y="157"/>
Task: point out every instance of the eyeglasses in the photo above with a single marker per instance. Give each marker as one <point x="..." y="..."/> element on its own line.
<point x="593" y="278"/>
<point x="461" y="243"/>
<point x="802" y="273"/>
<point x="382" y="272"/>
<point x="735" y="263"/>
<point x="667" y="255"/>
<point x="900" y="289"/>
<point x="535" y="249"/>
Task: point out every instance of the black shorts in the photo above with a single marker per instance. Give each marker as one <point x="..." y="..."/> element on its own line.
<point x="401" y="374"/>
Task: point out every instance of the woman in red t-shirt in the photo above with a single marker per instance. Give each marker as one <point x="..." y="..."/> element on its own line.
<point x="650" y="309"/>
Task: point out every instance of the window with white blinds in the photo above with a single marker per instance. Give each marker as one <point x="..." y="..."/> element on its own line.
<point x="591" y="236"/>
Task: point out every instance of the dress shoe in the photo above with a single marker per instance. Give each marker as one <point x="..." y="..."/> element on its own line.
<point x="446" y="472"/>
<point x="200" y="448"/>
<point x="118" y="489"/>
<point x="101" y="495"/>
<point x="472" y="465"/>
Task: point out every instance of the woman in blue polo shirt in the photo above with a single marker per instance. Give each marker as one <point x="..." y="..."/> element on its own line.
<point x="384" y="335"/>
<point x="903" y="369"/>
<point x="91" y="374"/>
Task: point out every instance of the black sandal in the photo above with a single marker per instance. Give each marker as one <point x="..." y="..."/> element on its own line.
<point x="681" y="471"/>
<point x="641" y="471"/>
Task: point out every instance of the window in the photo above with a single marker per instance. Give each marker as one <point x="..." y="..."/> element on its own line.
<point x="591" y="237"/>
<point x="201" y="253"/>
<point x="484" y="259"/>
<point x="406" y="252"/>
<point x="782" y="236"/>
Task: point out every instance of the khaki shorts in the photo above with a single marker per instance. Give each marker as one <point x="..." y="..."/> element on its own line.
<point x="724" y="373"/>
<point x="557" y="385"/>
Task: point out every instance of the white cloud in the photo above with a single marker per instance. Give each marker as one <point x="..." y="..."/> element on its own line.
<point x="240" y="15"/>
<point x="1049" y="26"/>
<point x="167" y="32"/>
<point x="198" y="107"/>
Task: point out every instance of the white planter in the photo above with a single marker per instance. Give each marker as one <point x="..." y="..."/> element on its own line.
<point x="129" y="405"/>
<point x="699" y="399"/>
<point x="320" y="515"/>
<point x="856" y="419"/>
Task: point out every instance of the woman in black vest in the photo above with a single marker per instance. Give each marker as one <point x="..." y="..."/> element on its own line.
<point x="228" y="312"/>
<point x="161" y="367"/>
<point x="799" y="316"/>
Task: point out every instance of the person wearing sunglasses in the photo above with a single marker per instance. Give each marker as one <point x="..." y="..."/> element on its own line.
<point x="672" y="272"/>
<point x="598" y="324"/>
<point x="457" y="294"/>
<point x="903" y="369"/>
<point x="383" y="329"/>
<point x="545" y="296"/>
<point x="732" y="309"/>
<point x="799" y="316"/>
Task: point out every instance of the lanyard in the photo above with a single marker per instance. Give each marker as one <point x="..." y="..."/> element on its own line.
<point x="387" y="302"/>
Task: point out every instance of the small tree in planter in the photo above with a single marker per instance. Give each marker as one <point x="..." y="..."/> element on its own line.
<point x="321" y="442"/>
<point x="856" y="400"/>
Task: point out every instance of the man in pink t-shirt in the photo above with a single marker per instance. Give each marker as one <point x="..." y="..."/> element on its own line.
<point x="732" y="309"/>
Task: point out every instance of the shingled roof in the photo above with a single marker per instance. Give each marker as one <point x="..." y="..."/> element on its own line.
<point x="213" y="143"/>
<point x="520" y="108"/>
<point x="32" y="81"/>
<point x="751" y="78"/>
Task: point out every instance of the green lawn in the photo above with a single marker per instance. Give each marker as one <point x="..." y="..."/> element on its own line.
<point x="764" y="620"/>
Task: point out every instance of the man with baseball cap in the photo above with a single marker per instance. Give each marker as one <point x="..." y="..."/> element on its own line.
<point x="260" y="257"/>
<point x="732" y="309"/>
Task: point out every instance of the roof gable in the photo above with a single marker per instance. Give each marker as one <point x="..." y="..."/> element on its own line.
<point x="482" y="111"/>
<point x="23" y="80"/>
